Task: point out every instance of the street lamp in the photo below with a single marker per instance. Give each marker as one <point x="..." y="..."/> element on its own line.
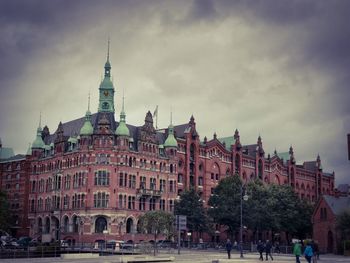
<point x="245" y="198"/>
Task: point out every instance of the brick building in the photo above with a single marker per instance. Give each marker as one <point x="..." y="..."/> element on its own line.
<point x="96" y="173"/>
<point x="324" y="221"/>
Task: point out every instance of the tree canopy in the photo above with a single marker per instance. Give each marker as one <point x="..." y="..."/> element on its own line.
<point x="343" y="224"/>
<point x="191" y="205"/>
<point x="268" y="208"/>
<point x="157" y="223"/>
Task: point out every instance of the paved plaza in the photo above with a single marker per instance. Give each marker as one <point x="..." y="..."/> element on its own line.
<point x="191" y="256"/>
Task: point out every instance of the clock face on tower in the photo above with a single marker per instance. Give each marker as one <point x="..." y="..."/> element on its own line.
<point x="105" y="93"/>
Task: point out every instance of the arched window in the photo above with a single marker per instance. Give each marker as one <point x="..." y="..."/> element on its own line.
<point x="100" y="224"/>
<point x="129" y="225"/>
<point x="75" y="224"/>
<point x="65" y="224"/>
<point x="260" y="169"/>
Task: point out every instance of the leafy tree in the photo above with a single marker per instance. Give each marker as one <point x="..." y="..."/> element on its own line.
<point x="5" y="216"/>
<point x="258" y="214"/>
<point x="343" y="224"/>
<point x="191" y="206"/>
<point x="225" y="203"/>
<point x="157" y="223"/>
<point x="292" y="214"/>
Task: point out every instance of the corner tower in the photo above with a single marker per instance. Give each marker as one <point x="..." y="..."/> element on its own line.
<point x="106" y="100"/>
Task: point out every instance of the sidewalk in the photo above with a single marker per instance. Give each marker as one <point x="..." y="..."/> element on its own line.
<point x="190" y="256"/>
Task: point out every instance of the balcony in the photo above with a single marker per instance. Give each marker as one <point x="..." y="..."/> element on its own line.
<point x="148" y="193"/>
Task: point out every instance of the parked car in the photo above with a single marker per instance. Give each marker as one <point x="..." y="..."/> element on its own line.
<point x="24" y="241"/>
<point x="11" y="245"/>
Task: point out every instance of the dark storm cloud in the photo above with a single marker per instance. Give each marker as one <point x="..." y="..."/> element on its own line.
<point x="225" y="61"/>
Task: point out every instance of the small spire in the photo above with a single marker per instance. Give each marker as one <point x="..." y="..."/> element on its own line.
<point x="89" y="102"/>
<point x="171" y="116"/>
<point x="108" y="49"/>
<point x="40" y="119"/>
<point x="123" y="101"/>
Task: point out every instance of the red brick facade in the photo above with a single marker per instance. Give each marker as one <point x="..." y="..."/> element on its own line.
<point x="81" y="185"/>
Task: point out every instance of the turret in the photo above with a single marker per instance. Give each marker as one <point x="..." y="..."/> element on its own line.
<point x="38" y="144"/>
<point x="122" y="129"/>
<point x="106" y="100"/>
<point x="170" y="142"/>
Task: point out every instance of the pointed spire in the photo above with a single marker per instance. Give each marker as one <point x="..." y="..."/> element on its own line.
<point x="89" y="102"/>
<point x="122" y="129"/>
<point x="170" y="140"/>
<point x="40" y="120"/>
<point x="291" y="152"/>
<point x="108" y="49"/>
<point x="108" y="64"/>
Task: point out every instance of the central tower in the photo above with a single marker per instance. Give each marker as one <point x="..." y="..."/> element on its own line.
<point x="106" y="100"/>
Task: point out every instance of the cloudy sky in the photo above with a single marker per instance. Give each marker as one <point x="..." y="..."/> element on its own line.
<point x="275" y="68"/>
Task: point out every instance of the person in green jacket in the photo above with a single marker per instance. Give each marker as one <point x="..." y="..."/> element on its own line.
<point x="297" y="251"/>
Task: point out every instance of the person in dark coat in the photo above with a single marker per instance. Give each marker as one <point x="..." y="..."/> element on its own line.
<point x="228" y="248"/>
<point x="268" y="248"/>
<point x="261" y="248"/>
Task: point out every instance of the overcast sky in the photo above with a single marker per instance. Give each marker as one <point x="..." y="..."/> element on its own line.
<point x="275" y="68"/>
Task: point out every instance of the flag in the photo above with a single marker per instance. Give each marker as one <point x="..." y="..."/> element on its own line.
<point x="155" y="113"/>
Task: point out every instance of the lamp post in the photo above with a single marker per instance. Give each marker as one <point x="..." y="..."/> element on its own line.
<point x="245" y="198"/>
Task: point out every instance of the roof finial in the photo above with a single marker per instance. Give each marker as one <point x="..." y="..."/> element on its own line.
<point x="40" y="119"/>
<point x="108" y="50"/>
<point x="171" y="115"/>
<point x="123" y="101"/>
<point x="89" y="102"/>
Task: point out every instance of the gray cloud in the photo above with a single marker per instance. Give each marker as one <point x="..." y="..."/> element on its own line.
<point x="278" y="68"/>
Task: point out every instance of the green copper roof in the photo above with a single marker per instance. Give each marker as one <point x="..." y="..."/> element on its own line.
<point x="6" y="153"/>
<point x="284" y="156"/>
<point x="106" y="83"/>
<point x="72" y="140"/>
<point x="87" y="128"/>
<point x="122" y="130"/>
<point x="47" y="147"/>
<point x="29" y="151"/>
<point x="170" y="141"/>
<point x="228" y="141"/>
<point x="38" y="142"/>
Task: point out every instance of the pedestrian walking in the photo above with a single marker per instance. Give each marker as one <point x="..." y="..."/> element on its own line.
<point x="268" y="247"/>
<point x="261" y="248"/>
<point x="297" y="251"/>
<point x="308" y="253"/>
<point x="228" y="248"/>
<point x="277" y="248"/>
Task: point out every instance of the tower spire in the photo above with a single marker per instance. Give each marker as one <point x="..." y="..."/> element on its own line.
<point x="108" y="49"/>
<point x="171" y="116"/>
<point x="40" y="119"/>
<point x="89" y="102"/>
<point x="123" y="102"/>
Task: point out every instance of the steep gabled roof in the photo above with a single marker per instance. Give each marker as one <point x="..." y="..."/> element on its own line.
<point x="337" y="204"/>
<point x="311" y="166"/>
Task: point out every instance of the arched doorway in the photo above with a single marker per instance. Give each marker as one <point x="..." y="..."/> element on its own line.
<point x="129" y="225"/>
<point x="56" y="223"/>
<point x="330" y="242"/>
<point x="47" y="225"/>
<point x="40" y="225"/>
<point x="100" y="224"/>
